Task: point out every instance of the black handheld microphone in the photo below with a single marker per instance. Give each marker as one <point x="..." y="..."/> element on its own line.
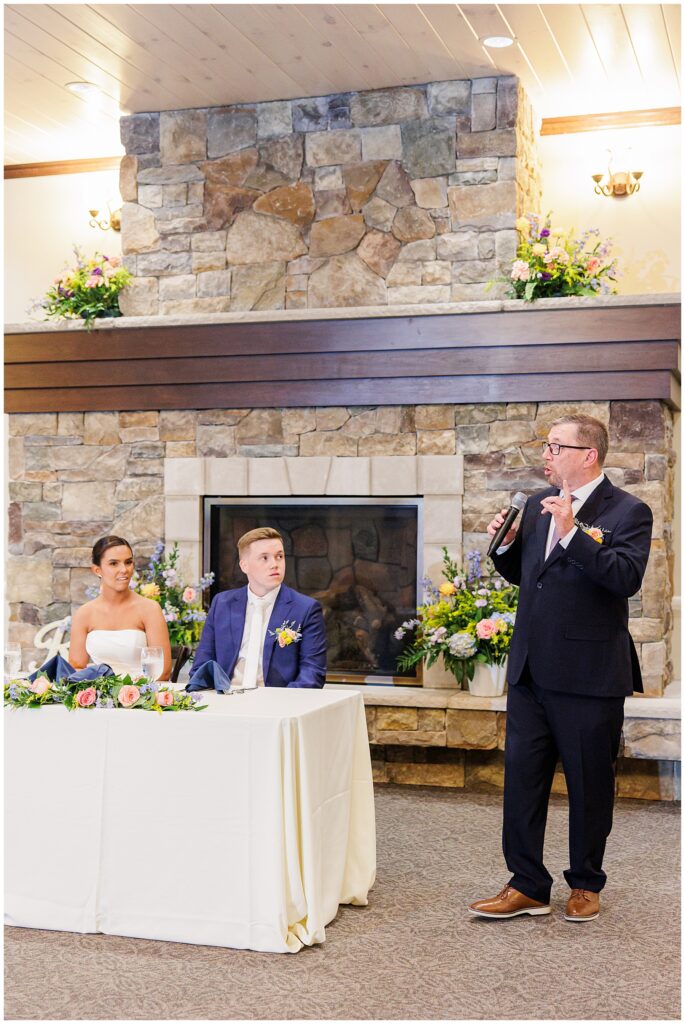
<point x="517" y="503"/>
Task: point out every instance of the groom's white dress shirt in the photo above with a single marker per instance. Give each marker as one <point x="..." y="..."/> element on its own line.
<point x="249" y="669"/>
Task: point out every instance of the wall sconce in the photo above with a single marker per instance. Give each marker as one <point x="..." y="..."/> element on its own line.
<point x="113" y="220"/>
<point x="617" y="183"/>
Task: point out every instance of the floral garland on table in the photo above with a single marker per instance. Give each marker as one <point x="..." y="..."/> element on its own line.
<point x="103" y="692"/>
<point x="88" y="291"/>
<point x="467" y="619"/>
<point x="550" y="262"/>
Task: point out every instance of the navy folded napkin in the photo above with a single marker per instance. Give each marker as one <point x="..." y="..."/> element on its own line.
<point x="58" y="668"/>
<point x="209" y="676"/>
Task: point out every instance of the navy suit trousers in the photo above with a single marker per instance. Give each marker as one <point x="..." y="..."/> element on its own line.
<point x="584" y="732"/>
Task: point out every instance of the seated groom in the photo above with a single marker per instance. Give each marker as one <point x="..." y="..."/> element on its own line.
<point x="264" y="634"/>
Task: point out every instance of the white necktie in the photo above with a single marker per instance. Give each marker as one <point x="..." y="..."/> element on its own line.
<point x="254" y="645"/>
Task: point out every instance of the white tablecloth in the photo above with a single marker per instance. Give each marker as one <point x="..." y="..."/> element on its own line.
<point x="244" y="825"/>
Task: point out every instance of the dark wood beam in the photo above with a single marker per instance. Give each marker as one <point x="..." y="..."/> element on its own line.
<point x="608" y="352"/>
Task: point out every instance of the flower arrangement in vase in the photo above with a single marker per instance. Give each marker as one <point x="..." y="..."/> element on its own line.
<point x="181" y="603"/>
<point x="467" y="620"/>
<point x="551" y="263"/>
<point x="88" y="291"/>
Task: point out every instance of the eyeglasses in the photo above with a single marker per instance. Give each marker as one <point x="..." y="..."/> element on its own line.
<point x="556" y="448"/>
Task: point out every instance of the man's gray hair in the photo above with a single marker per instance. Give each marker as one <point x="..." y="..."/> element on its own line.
<point x="589" y="431"/>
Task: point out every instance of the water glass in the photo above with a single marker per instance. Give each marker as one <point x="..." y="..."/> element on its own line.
<point x="12" y="660"/>
<point x="152" y="662"/>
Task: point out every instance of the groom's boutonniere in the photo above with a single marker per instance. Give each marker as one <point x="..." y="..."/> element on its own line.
<point x="596" y="532"/>
<point x="287" y="633"/>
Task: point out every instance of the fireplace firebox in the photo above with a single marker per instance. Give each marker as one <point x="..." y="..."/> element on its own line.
<point x="359" y="557"/>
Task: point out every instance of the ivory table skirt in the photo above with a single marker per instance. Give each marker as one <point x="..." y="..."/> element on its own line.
<point x="245" y="825"/>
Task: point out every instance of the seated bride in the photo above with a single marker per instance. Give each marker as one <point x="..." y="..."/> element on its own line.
<point x="116" y="625"/>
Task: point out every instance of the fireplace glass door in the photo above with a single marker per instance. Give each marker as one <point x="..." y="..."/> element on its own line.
<point x="359" y="559"/>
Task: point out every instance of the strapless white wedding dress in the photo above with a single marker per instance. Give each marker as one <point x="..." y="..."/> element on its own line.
<point x="118" y="648"/>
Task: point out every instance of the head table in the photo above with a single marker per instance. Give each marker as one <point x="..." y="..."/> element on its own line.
<point x="244" y="825"/>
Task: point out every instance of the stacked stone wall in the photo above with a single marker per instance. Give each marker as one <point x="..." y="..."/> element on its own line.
<point x="405" y="195"/>
<point x="76" y="476"/>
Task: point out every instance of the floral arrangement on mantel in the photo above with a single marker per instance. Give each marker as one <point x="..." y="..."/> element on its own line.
<point x="551" y="263"/>
<point x="88" y="291"/>
<point x="181" y="604"/>
<point x="465" y="620"/>
<point x="103" y="692"/>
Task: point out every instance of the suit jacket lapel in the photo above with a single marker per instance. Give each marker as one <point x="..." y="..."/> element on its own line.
<point x="586" y="514"/>
<point x="279" y="614"/>
<point x="593" y="507"/>
<point x="237" y="620"/>
<point x="541" y="532"/>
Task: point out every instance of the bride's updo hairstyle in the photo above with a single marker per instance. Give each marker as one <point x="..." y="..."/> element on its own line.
<point x="104" y="544"/>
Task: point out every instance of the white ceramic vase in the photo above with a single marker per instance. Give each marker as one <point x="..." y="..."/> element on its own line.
<point x="488" y="680"/>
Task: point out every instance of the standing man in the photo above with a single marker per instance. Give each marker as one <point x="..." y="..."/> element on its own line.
<point x="263" y="634"/>
<point x="580" y="552"/>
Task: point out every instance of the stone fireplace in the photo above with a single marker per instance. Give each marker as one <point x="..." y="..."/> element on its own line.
<point x="395" y="196"/>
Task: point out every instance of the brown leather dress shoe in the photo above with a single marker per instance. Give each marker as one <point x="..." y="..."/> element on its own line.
<point x="508" y="903"/>
<point x="582" y="905"/>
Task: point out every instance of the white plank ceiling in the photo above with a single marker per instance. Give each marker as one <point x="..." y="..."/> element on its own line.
<point x="571" y="58"/>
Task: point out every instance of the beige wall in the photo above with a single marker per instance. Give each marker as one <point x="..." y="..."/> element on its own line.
<point x="44" y="218"/>
<point x="644" y="226"/>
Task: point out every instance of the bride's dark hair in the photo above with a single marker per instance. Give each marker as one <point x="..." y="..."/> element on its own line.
<point x="104" y="544"/>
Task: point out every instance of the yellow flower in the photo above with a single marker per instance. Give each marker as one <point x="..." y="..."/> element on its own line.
<point x="446" y="589"/>
<point x="538" y="249"/>
<point x="523" y="225"/>
<point x="150" y="590"/>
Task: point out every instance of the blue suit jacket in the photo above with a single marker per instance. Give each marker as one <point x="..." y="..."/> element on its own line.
<point x="298" y="664"/>
<point x="572" y="617"/>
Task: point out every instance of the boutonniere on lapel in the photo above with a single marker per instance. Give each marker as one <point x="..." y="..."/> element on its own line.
<point x="596" y="532"/>
<point x="287" y="633"/>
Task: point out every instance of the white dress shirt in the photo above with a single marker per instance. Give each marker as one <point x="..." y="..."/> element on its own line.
<point x="255" y="605"/>
<point x="581" y="495"/>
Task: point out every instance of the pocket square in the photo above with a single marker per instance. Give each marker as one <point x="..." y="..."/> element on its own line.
<point x="209" y="676"/>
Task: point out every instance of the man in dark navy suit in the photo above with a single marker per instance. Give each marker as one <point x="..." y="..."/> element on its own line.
<point x="263" y="634"/>
<point x="579" y="553"/>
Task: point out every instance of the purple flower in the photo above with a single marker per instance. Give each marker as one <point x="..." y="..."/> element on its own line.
<point x="545" y="276"/>
<point x="97" y="271"/>
<point x="544" y="233"/>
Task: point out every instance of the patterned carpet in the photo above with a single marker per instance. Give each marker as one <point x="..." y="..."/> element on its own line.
<point x="414" y="952"/>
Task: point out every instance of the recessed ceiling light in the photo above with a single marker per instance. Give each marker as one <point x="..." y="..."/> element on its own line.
<point x="84" y="89"/>
<point x="497" y="42"/>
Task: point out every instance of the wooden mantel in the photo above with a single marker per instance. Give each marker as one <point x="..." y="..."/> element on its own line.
<point x="618" y="347"/>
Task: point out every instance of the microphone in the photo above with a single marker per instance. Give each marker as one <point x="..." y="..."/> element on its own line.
<point x="517" y="503"/>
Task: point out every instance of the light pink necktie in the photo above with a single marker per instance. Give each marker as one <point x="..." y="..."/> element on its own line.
<point x="555" y="533"/>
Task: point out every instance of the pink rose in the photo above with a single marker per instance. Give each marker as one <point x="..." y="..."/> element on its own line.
<point x="164" y="698"/>
<point x="592" y="265"/>
<point x="128" y="695"/>
<point x="40" y="686"/>
<point x="485" y="629"/>
<point x="189" y="595"/>
<point x="84" y="698"/>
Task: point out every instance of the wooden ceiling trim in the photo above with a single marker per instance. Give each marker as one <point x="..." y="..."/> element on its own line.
<point x="654" y="118"/>
<point x="40" y="170"/>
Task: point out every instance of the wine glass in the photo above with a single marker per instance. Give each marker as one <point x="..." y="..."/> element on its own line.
<point x="12" y="660"/>
<point x="152" y="662"/>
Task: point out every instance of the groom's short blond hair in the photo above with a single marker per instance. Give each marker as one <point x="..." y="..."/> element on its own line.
<point x="261" y="533"/>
